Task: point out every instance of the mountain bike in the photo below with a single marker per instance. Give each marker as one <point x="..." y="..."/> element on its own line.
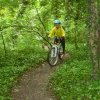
<point x="55" y="53"/>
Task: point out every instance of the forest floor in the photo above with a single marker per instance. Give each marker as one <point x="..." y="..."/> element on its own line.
<point x="33" y="85"/>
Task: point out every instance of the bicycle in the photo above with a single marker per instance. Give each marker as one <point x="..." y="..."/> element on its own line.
<point x="55" y="53"/>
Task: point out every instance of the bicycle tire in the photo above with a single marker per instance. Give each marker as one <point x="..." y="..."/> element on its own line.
<point x="52" y="60"/>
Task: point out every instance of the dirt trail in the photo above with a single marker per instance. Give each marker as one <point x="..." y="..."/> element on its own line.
<point x="33" y="85"/>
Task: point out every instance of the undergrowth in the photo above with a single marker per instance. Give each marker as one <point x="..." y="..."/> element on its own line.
<point x="17" y="61"/>
<point x="72" y="80"/>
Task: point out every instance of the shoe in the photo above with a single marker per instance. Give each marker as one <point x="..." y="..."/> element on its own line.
<point x="61" y="56"/>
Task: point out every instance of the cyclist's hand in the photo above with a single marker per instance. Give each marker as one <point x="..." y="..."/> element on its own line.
<point x="62" y="38"/>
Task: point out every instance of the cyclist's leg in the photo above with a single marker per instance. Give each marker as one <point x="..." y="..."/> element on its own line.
<point x="62" y="40"/>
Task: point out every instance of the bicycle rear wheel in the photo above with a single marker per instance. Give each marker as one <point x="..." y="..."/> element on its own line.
<point x="53" y="56"/>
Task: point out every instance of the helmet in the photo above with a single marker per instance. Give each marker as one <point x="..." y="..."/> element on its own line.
<point x="57" y="22"/>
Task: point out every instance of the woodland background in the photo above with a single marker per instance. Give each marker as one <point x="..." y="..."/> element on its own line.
<point x="24" y="27"/>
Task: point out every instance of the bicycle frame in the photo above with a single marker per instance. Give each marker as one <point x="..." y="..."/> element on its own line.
<point x="54" y="53"/>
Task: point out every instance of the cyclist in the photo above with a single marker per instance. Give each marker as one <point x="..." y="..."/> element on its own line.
<point x="58" y="31"/>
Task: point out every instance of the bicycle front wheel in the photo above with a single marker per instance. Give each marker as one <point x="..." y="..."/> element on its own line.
<point x="53" y="56"/>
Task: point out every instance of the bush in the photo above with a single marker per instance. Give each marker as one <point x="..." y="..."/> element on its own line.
<point x="72" y="80"/>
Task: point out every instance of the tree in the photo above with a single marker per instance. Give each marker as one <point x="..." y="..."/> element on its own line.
<point x="94" y="37"/>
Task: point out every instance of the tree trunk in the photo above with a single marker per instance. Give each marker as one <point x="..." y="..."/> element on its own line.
<point x="98" y="51"/>
<point x="94" y="37"/>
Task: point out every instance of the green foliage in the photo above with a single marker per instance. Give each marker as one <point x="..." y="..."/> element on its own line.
<point x="73" y="79"/>
<point x="43" y="3"/>
<point x="23" y="49"/>
<point x="7" y="79"/>
<point x="23" y="22"/>
<point x="9" y="3"/>
<point x="80" y="30"/>
<point x="18" y="60"/>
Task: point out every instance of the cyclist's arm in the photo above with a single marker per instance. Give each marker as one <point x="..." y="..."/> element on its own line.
<point x="51" y="33"/>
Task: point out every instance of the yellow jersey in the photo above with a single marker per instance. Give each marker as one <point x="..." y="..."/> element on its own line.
<point x="57" y="32"/>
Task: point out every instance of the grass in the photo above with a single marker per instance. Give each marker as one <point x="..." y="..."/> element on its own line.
<point x="72" y="80"/>
<point x="15" y="64"/>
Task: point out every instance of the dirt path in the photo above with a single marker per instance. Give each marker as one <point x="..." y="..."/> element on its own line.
<point x="33" y="85"/>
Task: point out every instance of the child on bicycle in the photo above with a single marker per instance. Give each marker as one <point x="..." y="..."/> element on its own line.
<point x="59" y="32"/>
